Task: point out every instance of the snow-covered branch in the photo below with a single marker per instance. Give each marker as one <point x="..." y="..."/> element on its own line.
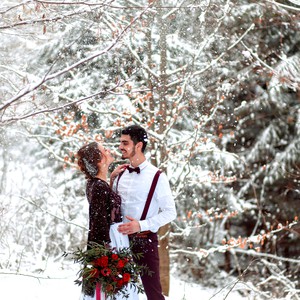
<point x="284" y="5"/>
<point x="214" y="61"/>
<point x="32" y="275"/>
<point x="53" y="215"/>
<point x="31" y="87"/>
<point x="278" y="276"/>
<point x="43" y="20"/>
<point x="144" y="66"/>
<point x="238" y="245"/>
<point x="57" y="108"/>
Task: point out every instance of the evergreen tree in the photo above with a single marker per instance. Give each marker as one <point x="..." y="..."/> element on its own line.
<point x="216" y="85"/>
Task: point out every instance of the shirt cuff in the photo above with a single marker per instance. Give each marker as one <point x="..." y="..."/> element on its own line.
<point x="144" y="225"/>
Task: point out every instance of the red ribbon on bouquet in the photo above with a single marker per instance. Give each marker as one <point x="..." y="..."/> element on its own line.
<point x="98" y="291"/>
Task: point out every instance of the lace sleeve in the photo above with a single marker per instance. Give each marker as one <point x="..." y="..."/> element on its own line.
<point x="99" y="212"/>
<point x="115" y="207"/>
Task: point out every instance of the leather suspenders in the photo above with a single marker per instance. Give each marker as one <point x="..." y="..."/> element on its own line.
<point x="150" y="195"/>
<point x="119" y="180"/>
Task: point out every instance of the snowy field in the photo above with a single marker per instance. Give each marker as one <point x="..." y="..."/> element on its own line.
<point x="61" y="287"/>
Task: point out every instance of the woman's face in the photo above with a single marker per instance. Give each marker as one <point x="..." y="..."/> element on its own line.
<point x="106" y="155"/>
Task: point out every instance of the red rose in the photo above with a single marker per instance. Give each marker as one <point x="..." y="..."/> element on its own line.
<point x="114" y="279"/>
<point x="120" y="283"/>
<point x="106" y="271"/>
<point x="114" y="256"/>
<point x="121" y="264"/>
<point x="97" y="262"/>
<point x="126" y="277"/>
<point x="101" y="262"/>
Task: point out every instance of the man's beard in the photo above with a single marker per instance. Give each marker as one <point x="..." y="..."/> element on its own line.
<point x="131" y="154"/>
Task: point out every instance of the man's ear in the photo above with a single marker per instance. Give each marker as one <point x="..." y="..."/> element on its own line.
<point x="139" y="145"/>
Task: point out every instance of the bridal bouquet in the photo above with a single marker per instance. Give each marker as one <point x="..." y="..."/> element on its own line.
<point x="113" y="270"/>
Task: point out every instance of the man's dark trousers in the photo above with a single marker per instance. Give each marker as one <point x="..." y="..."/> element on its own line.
<point x="147" y="245"/>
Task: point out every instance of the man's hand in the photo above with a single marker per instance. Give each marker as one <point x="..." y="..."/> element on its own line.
<point x="131" y="227"/>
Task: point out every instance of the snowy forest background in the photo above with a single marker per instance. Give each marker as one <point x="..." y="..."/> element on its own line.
<point x="217" y="85"/>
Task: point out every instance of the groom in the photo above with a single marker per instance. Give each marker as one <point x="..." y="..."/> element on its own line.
<point x="142" y="221"/>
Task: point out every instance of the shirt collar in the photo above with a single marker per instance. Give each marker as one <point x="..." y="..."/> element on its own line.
<point x="143" y="165"/>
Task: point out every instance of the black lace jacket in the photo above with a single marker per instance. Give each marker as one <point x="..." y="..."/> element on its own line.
<point x="104" y="209"/>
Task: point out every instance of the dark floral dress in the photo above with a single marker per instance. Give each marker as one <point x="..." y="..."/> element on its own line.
<point x="104" y="209"/>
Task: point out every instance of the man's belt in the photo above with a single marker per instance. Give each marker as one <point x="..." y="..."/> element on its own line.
<point x="141" y="234"/>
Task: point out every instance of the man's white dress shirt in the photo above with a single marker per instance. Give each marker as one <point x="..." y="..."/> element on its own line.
<point x="134" y="188"/>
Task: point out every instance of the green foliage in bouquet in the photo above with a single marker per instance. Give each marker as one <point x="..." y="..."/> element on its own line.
<point x="113" y="270"/>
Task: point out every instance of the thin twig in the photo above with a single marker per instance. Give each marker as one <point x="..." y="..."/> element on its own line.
<point x="53" y="215"/>
<point x="29" y="88"/>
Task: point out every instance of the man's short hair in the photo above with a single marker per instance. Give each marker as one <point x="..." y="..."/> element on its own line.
<point x="137" y="134"/>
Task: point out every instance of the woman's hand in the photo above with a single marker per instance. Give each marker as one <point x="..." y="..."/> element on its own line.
<point x="119" y="169"/>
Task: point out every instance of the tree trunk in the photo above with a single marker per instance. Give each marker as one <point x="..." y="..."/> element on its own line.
<point x="164" y="258"/>
<point x="227" y="254"/>
<point x="5" y="162"/>
<point x="163" y="112"/>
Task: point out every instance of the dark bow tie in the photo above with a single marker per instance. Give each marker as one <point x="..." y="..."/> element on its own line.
<point x="137" y="169"/>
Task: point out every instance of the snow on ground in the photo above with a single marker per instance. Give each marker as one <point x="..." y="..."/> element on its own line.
<point x="61" y="287"/>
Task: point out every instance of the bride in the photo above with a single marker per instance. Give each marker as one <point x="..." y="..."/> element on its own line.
<point x="104" y="208"/>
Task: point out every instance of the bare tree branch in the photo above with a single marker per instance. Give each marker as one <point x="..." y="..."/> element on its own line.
<point x="284" y="5"/>
<point x="30" y="275"/>
<point x="234" y="247"/>
<point x="43" y="20"/>
<point x="214" y="61"/>
<point x="48" y="110"/>
<point x="14" y="6"/>
<point x="53" y="215"/>
<point x="31" y="87"/>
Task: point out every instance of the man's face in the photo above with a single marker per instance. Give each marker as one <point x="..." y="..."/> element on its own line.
<point x="127" y="146"/>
